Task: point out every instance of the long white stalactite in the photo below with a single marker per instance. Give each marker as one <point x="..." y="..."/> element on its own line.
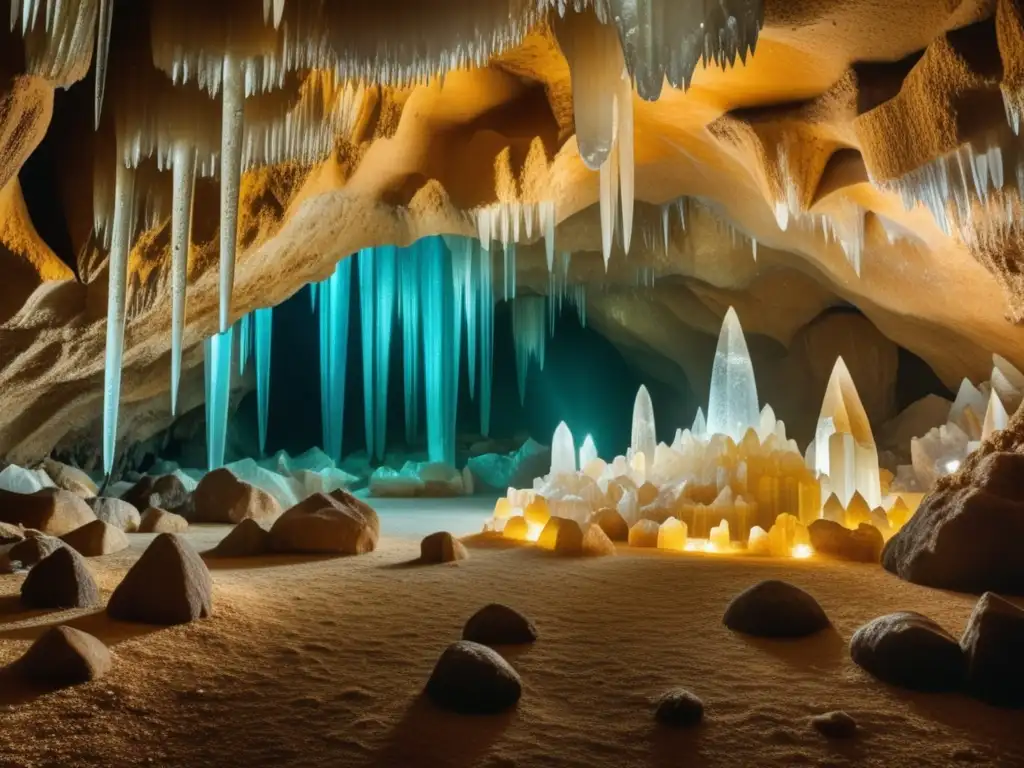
<point x="184" y="172"/>
<point x="230" y="180"/>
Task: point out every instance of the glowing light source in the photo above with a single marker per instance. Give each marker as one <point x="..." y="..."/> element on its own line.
<point x="802" y="551"/>
<point x="952" y="465"/>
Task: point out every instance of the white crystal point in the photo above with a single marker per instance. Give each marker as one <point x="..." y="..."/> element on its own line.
<point x="996" y="417"/>
<point x="184" y="173"/>
<point x="766" y="425"/>
<point x="1008" y="382"/>
<point x="844" y="444"/>
<point x="700" y="425"/>
<point x="588" y="452"/>
<point x="644" y="438"/>
<point x="563" y="452"/>
<point x="732" y="407"/>
<point x="967" y="397"/>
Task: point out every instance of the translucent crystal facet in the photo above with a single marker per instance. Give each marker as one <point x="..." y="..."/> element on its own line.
<point x="563" y="451"/>
<point x="263" y="320"/>
<point x="218" y="372"/>
<point x="643" y="435"/>
<point x="335" y="300"/>
<point x="732" y="407"/>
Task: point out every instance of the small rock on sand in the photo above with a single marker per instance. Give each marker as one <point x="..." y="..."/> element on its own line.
<point x="497" y="624"/>
<point x="473" y="679"/>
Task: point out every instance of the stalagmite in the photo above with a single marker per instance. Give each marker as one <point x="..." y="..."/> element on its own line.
<point x="732" y="407"/>
<point x="563" y="451"/>
<point x="230" y="179"/>
<point x="409" y="308"/>
<point x="588" y="452"/>
<point x="184" y="173"/>
<point x="124" y="204"/>
<point x="700" y="427"/>
<point x="644" y="437"/>
<point x="334" y="295"/>
<point x="263" y="319"/>
<point x="218" y="395"/>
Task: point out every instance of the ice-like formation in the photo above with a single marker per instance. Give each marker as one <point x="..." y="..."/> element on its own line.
<point x="243" y="332"/>
<point x="19" y="480"/>
<point x="367" y="309"/>
<point x="643" y="437"/>
<point x="563" y="452"/>
<point x="486" y="300"/>
<point x="529" y="336"/>
<point x="442" y="386"/>
<point x="844" y="446"/>
<point x="588" y="452"/>
<point x="218" y="370"/>
<point x="312" y="296"/>
<point x="386" y="267"/>
<point x="335" y="300"/>
<point x="732" y="408"/>
<point x="409" y="309"/>
<point x="263" y="320"/>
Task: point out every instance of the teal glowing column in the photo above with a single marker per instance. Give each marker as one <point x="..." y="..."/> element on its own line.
<point x="312" y="296"/>
<point x="367" y="307"/>
<point x="334" y="297"/>
<point x="386" y="277"/>
<point x="486" y="296"/>
<point x="438" y="349"/>
<point x="263" y="320"/>
<point x="218" y="395"/>
<point x="409" y="308"/>
<point x="244" y="342"/>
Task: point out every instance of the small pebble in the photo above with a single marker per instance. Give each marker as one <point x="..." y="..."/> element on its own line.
<point x="835" y="725"/>
<point x="679" y="708"/>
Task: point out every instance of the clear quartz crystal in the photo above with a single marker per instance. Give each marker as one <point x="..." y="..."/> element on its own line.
<point x="732" y="407"/>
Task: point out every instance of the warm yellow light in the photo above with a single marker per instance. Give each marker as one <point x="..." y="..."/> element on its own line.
<point x="802" y="551"/>
<point x="691" y="546"/>
<point x="533" y="530"/>
<point x="709" y="546"/>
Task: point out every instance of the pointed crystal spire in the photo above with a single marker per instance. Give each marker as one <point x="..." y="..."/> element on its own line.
<point x="700" y="426"/>
<point x="643" y="436"/>
<point x="263" y="319"/>
<point x="996" y="417"/>
<point x="732" y="407"/>
<point x="588" y="452"/>
<point x="563" y="451"/>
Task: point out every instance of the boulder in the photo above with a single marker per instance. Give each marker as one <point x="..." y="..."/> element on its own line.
<point x="60" y="580"/>
<point x="247" y="539"/>
<point x="909" y="650"/>
<point x="33" y="549"/>
<point x="116" y="512"/>
<point x="96" y="539"/>
<point x="169" y="584"/>
<point x="223" y="498"/>
<point x="52" y="511"/>
<point x="70" y="479"/>
<point x="596" y="542"/>
<point x="164" y="492"/>
<point x="775" y="609"/>
<point x="831" y="539"/>
<point x="679" y="709"/>
<point x="644" y="533"/>
<point x="64" y="656"/>
<point x="562" y="535"/>
<point x="11" y="534"/>
<point x="473" y="679"/>
<point x="612" y="523"/>
<point x="497" y="624"/>
<point x="335" y="523"/>
<point x="966" y="534"/>
<point x="835" y="725"/>
<point x="156" y="520"/>
<point x="992" y="644"/>
<point x="442" y="547"/>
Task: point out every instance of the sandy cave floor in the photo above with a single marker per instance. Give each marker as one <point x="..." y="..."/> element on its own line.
<point x="320" y="662"/>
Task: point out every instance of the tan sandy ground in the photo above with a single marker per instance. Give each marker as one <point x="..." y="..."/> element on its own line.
<point x="320" y="663"/>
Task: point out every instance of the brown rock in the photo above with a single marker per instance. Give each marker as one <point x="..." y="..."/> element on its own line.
<point x="679" y="709"/>
<point x="96" y="539"/>
<point x="64" y="656"/>
<point x="473" y="679"/>
<point x="223" y="498"/>
<point x="442" y="547"/>
<point x="775" y="609"/>
<point x="70" y="479"/>
<point x="116" y="512"/>
<point x="52" y="511"/>
<point x="992" y="644"/>
<point x="169" y="584"/>
<point x="497" y="624"/>
<point x="247" y="539"/>
<point x="596" y="542"/>
<point x="909" y="650"/>
<point x="611" y="523"/>
<point x="156" y="520"/>
<point x="835" y="725"/>
<point x="563" y="536"/>
<point x="60" y="580"/>
<point x="33" y="549"/>
<point x="327" y="531"/>
<point x="831" y="539"/>
<point x="164" y="492"/>
<point x="11" y="534"/>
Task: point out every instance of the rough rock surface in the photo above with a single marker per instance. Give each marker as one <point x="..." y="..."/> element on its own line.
<point x="831" y="539"/>
<point x="169" y="584"/>
<point x="966" y="534"/>
<point x="775" y="609"/>
<point x="223" y="498"/>
<point x="96" y="539"/>
<point x="164" y="492"/>
<point x="52" y="511"/>
<point x="679" y="708"/>
<point x="993" y="643"/>
<point x="497" y="624"/>
<point x="33" y="549"/>
<point x="247" y="539"/>
<point x="442" y="547"/>
<point x="116" y="512"/>
<point x="473" y="679"/>
<point x="156" y="520"/>
<point x="336" y="523"/>
<point x="11" y="534"/>
<point x="64" y="656"/>
<point x="60" y="580"/>
<point x="70" y="478"/>
<point x="909" y="650"/>
<point x="611" y="523"/>
<point x="562" y="535"/>
<point x="835" y="725"/>
<point x="596" y="542"/>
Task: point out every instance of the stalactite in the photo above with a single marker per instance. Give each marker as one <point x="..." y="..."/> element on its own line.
<point x="243" y="329"/>
<point x="263" y="320"/>
<point x="104" y="23"/>
<point x="386" y="278"/>
<point x="230" y="180"/>
<point x="184" y="170"/>
<point x="409" y="306"/>
<point x="438" y="349"/>
<point x="367" y="307"/>
<point x="217" y="350"/>
<point x="529" y="337"/>
<point x="486" y="297"/>
<point x="335" y="301"/>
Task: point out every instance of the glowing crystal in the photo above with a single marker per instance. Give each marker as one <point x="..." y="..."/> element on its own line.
<point x="732" y="408"/>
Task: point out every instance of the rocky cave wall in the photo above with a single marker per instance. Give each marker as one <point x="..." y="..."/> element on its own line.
<point x="841" y="101"/>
